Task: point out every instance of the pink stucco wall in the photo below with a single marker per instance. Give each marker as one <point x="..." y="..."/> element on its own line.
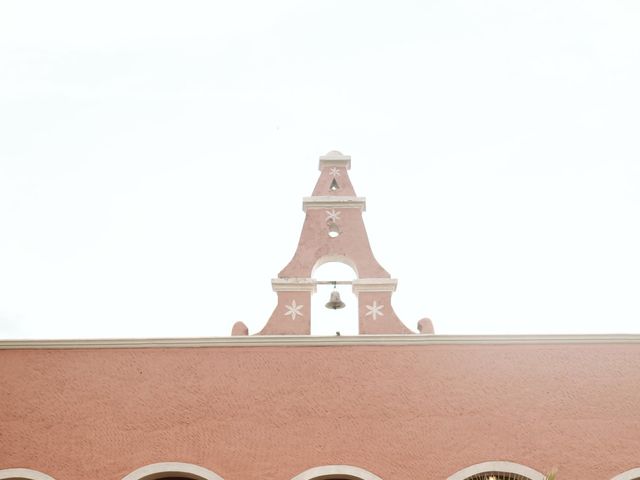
<point x="261" y="413"/>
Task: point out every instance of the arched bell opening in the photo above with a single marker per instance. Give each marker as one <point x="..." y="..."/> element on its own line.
<point x="335" y="259"/>
<point x="328" y="320"/>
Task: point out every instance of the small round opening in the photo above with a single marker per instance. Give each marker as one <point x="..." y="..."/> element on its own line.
<point x="334" y="230"/>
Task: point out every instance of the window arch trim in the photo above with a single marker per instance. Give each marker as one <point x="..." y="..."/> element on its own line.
<point x="9" y="473"/>
<point x="497" y="466"/>
<point x="172" y="468"/>
<point x="632" y="474"/>
<point x="330" y="471"/>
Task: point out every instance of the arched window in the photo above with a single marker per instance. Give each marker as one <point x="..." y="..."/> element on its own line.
<point x="633" y="474"/>
<point x="172" y="471"/>
<point x="497" y="476"/>
<point x="336" y="472"/>
<point x="497" y="471"/>
<point x="23" y="474"/>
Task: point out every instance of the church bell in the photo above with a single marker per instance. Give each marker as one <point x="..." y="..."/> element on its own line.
<point x="334" y="302"/>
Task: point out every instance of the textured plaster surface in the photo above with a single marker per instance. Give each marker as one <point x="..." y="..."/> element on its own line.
<point x="387" y="322"/>
<point x="282" y="320"/>
<point x="341" y="176"/>
<point x="255" y="413"/>
<point x="352" y="244"/>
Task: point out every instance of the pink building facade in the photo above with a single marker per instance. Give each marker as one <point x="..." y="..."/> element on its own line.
<point x="255" y="408"/>
<point x="388" y="404"/>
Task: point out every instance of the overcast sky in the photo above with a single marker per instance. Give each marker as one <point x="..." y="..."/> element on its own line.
<point x="154" y="156"/>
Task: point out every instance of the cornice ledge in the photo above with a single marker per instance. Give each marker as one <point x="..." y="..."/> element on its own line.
<point x="329" y="201"/>
<point x="374" y="285"/>
<point x="294" y="284"/>
<point x="317" y="341"/>
<point x="334" y="159"/>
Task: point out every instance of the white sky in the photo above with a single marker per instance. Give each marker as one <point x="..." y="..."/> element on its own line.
<point x="154" y="156"/>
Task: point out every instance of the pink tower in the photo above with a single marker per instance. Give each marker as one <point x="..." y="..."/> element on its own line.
<point x="334" y="231"/>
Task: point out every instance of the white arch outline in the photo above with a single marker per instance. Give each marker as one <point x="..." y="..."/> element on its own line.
<point x="345" y="260"/>
<point x="497" y="466"/>
<point x="329" y="471"/>
<point x="632" y="474"/>
<point x="9" y="473"/>
<point x="152" y="471"/>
